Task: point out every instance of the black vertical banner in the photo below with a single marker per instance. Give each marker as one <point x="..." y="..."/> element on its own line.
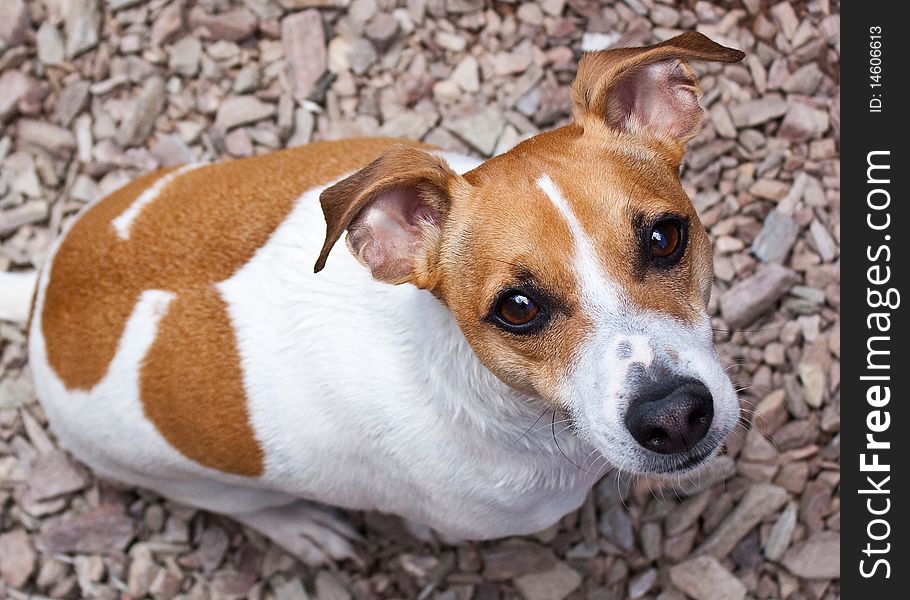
<point x="875" y="260"/>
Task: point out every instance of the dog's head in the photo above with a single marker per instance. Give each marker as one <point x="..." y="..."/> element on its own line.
<point x="575" y="264"/>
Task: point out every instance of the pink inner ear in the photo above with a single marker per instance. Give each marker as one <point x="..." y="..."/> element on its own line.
<point x="660" y="99"/>
<point x="387" y="235"/>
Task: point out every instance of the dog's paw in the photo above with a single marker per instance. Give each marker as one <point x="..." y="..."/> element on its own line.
<point x="315" y="535"/>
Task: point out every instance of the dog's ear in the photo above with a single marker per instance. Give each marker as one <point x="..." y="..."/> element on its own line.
<point x="648" y="91"/>
<point x="393" y="210"/>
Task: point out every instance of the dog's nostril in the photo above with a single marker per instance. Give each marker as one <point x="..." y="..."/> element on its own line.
<point x="656" y="440"/>
<point x="670" y="420"/>
<point x="698" y="417"/>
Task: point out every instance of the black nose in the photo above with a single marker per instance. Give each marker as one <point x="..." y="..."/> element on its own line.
<point x="670" y="417"/>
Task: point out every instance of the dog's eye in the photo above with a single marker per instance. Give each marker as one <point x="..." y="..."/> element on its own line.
<point x="664" y="242"/>
<point x="517" y="309"/>
<point x="664" y="238"/>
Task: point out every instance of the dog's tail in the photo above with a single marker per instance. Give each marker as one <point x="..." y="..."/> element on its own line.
<point x="16" y="293"/>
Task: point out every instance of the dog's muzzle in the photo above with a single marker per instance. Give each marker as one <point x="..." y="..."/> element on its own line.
<point x="668" y="413"/>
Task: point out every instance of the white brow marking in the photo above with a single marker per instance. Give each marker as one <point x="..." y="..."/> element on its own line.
<point x="599" y="292"/>
<point x="124" y="221"/>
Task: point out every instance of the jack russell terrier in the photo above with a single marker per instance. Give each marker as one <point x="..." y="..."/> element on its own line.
<point x="181" y="341"/>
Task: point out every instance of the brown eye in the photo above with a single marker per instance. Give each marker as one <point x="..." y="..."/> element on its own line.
<point x="516" y="309"/>
<point x="664" y="238"/>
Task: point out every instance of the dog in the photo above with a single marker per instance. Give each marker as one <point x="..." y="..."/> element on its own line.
<point x="182" y="341"/>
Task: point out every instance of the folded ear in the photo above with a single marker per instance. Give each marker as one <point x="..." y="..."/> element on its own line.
<point x="648" y="91"/>
<point x="392" y="209"/>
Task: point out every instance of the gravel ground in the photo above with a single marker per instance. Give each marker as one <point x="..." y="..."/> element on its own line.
<point x="95" y="92"/>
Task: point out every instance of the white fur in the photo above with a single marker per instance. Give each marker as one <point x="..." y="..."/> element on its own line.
<point x="361" y="394"/>
<point x="124" y="221"/>
<point x="596" y="387"/>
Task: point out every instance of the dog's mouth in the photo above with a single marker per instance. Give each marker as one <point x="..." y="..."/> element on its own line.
<point x="683" y="463"/>
<point x="695" y="460"/>
<point x="689" y="463"/>
<point x="646" y="463"/>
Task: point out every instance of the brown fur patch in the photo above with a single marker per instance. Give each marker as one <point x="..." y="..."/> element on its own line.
<point x="608" y="191"/>
<point x="203" y="226"/>
<point x="504" y="230"/>
<point x="184" y="395"/>
<point x="84" y="309"/>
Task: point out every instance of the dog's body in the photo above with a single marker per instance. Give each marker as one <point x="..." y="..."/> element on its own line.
<point x="359" y="394"/>
<point x="180" y="342"/>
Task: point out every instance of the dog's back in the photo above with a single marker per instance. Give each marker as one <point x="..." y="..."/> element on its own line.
<point x="137" y="282"/>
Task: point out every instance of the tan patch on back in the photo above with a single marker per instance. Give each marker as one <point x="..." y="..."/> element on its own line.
<point x="91" y="292"/>
<point x="203" y="226"/>
<point x="194" y="335"/>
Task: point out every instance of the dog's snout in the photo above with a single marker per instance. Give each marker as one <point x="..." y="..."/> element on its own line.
<point x="672" y="416"/>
